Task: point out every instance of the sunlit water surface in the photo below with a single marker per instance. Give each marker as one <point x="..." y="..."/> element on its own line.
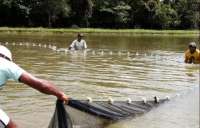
<point x="114" y="66"/>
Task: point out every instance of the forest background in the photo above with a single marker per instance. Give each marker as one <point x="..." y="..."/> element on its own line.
<point x="112" y="14"/>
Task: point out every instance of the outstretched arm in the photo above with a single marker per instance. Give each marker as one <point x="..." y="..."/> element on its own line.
<point x="85" y="45"/>
<point x="43" y="86"/>
<point x="185" y="58"/>
<point x="71" y="47"/>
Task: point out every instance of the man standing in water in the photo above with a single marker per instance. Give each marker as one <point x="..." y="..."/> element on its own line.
<point x="192" y="55"/>
<point x="9" y="70"/>
<point x="79" y="43"/>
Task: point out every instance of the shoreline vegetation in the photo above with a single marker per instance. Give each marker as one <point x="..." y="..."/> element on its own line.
<point x="128" y="32"/>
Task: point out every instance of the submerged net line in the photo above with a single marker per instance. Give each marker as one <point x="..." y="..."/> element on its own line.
<point x="28" y="44"/>
<point x="66" y="51"/>
<point x="98" y="114"/>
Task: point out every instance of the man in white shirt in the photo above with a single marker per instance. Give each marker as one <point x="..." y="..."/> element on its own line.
<point x="10" y="70"/>
<point x="79" y="43"/>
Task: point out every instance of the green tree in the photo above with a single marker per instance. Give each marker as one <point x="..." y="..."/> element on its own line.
<point x="81" y="12"/>
<point x="46" y="12"/>
<point x="111" y="13"/>
<point x="53" y="8"/>
<point x="13" y="12"/>
<point x="143" y="12"/>
<point x="188" y="12"/>
<point x="166" y="17"/>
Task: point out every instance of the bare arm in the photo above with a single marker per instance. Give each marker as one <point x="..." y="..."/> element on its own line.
<point x="41" y="85"/>
<point x="85" y="45"/>
<point x="71" y="47"/>
<point x="186" y="58"/>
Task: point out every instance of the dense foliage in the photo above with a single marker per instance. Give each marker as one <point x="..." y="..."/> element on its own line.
<point x="151" y="14"/>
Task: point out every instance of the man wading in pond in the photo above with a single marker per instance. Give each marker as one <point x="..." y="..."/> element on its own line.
<point x="9" y="70"/>
<point x="79" y="43"/>
<point x="192" y="55"/>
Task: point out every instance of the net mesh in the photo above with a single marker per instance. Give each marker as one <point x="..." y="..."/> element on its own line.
<point x="97" y="114"/>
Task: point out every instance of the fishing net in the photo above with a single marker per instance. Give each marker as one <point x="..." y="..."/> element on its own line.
<point x="97" y="114"/>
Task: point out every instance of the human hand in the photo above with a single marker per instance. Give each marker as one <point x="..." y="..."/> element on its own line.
<point x="64" y="98"/>
<point x="191" y="60"/>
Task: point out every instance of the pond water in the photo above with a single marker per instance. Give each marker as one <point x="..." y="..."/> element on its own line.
<point x="114" y="66"/>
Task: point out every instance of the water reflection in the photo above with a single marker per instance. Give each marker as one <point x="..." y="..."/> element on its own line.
<point x="117" y="67"/>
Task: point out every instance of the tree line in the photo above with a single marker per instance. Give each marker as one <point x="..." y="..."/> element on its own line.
<point x="147" y="14"/>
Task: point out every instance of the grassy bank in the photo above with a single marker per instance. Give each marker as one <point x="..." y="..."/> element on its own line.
<point x="130" y="32"/>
